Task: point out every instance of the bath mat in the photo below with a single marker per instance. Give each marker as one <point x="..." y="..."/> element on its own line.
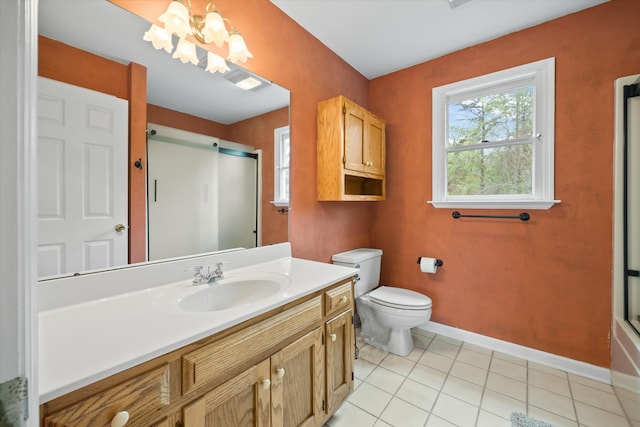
<point x="519" y="419"/>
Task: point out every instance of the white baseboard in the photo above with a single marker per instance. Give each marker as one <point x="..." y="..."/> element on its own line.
<point x="625" y="381"/>
<point x="587" y="370"/>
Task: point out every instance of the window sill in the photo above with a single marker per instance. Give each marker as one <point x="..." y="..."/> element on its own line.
<point x="280" y="204"/>
<point x="495" y="204"/>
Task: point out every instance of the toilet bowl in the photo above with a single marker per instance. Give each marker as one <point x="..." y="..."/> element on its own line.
<point x="386" y="313"/>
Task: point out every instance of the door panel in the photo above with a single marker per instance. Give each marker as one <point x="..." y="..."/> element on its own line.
<point x="82" y="179"/>
<point x="339" y="360"/>
<point x="297" y="378"/>
<point x="354" y="138"/>
<point x="243" y="401"/>
<point x="375" y="146"/>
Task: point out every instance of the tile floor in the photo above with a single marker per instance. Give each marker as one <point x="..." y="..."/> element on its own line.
<point x="449" y="383"/>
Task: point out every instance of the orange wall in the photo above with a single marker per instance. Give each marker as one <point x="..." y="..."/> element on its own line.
<point x="258" y="132"/>
<point x="286" y="54"/>
<point x="544" y="284"/>
<point x="175" y="119"/>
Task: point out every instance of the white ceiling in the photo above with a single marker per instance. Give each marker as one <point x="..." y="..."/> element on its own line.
<point x="377" y="37"/>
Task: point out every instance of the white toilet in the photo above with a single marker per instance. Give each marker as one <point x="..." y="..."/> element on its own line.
<point x="387" y="314"/>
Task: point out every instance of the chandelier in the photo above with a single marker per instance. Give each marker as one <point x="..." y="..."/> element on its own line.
<point x="210" y="28"/>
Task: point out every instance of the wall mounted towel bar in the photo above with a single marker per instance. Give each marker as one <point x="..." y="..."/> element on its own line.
<point x="522" y="217"/>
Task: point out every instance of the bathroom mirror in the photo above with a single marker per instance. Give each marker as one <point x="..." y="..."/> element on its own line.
<point x="102" y="28"/>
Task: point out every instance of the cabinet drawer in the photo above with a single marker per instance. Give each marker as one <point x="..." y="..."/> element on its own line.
<point x="338" y="299"/>
<point x="138" y="396"/>
<point x="228" y="355"/>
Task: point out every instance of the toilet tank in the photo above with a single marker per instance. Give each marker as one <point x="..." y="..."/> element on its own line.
<point x="367" y="261"/>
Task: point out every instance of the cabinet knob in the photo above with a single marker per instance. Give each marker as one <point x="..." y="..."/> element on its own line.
<point x="333" y="337"/>
<point x="280" y="372"/>
<point x="266" y="383"/>
<point x="343" y="300"/>
<point x="120" y="419"/>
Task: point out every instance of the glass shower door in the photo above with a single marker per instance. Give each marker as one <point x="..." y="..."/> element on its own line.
<point x="632" y="204"/>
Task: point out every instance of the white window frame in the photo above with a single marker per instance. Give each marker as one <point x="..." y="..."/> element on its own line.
<point x="279" y="194"/>
<point x="542" y="75"/>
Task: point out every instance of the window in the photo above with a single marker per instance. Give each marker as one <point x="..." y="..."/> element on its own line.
<point x="281" y="166"/>
<point x="493" y="139"/>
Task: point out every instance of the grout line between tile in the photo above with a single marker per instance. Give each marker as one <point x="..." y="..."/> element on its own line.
<point x="493" y="359"/>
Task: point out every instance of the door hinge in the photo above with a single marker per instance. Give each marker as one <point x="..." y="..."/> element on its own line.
<point x="322" y="339"/>
<point x="323" y="408"/>
<point x="344" y="160"/>
<point x="352" y="319"/>
<point x="344" y="109"/>
<point x="352" y="376"/>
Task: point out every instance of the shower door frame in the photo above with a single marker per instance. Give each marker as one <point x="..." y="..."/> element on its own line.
<point x="629" y="92"/>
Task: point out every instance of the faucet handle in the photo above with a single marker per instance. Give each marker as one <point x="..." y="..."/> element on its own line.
<point x="197" y="273"/>
<point x="218" y="271"/>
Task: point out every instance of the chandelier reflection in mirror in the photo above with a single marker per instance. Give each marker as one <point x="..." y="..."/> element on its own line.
<point x="210" y="28"/>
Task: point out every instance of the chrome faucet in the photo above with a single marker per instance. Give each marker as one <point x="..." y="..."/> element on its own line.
<point x="216" y="274"/>
<point x="208" y="277"/>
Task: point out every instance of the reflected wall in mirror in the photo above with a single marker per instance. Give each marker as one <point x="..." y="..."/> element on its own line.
<point x="78" y="46"/>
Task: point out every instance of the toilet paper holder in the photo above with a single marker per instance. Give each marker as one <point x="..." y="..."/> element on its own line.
<point x="439" y="262"/>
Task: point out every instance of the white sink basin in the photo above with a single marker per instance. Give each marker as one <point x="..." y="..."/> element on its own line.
<point x="235" y="291"/>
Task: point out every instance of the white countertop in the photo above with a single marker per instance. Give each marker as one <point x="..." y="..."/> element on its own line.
<point x="91" y="340"/>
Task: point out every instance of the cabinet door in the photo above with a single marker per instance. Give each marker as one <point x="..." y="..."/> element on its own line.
<point x="339" y="359"/>
<point x="355" y="128"/>
<point x="375" y="146"/>
<point x="243" y="401"/>
<point x="297" y="378"/>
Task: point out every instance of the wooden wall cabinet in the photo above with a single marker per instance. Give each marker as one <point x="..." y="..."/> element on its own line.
<point x="351" y="152"/>
<point x="292" y="367"/>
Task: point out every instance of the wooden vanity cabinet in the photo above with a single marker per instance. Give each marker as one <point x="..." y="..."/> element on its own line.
<point x="290" y="367"/>
<point x="244" y="400"/>
<point x="297" y="382"/>
<point x="351" y="152"/>
<point x="339" y="345"/>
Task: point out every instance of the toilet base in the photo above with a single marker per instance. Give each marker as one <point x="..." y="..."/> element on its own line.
<point x="400" y="342"/>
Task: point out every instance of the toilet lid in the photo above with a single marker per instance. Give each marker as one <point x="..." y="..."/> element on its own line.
<point x="400" y="298"/>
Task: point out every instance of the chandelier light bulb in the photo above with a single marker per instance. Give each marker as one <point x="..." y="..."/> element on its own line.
<point x="237" y="48"/>
<point x="216" y="63"/>
<point x="159" y="38"/>
<point x="186" y="52"/>
<point x="179" y="19"/>
<point x="214" y="30"/>
<point x="176" y="19"/>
